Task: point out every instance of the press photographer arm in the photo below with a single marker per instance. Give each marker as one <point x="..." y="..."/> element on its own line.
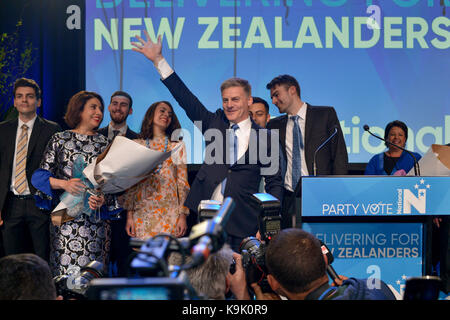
<point x="236" y="281"/>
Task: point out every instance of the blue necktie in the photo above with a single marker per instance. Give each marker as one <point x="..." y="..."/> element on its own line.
<point x="297" y="146"/>
<point x="233" y="151"/>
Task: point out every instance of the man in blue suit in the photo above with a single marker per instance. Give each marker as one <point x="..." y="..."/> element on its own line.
<point x="235" y="167"/>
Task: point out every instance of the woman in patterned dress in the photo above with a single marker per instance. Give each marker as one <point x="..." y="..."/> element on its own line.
<point x="155" y="205"/>
<point x="77" y="242"/>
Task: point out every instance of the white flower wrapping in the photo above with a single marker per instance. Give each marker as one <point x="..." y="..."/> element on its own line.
<point x="123" y="165"/>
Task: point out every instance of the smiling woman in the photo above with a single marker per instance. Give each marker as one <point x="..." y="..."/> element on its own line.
<point x="156" y="204"/>
<point x="82" y="238"/>
<point x="394" y="161"/>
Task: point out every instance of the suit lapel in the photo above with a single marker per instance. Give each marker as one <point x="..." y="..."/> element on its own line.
<point x="309" y="123"/>
<point x="37" y="128"/>
<point x="283" y="123"/>
<point x="11" y="147"/>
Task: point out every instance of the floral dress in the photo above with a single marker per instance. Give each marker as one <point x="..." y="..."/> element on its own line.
<point x="157" y="201"/>
<point x="77" y="242"/>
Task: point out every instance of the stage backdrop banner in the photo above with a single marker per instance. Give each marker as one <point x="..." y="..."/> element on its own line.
<point x="391" y="252"/>
<point x="375" y="196"/>
<point x="374" y="61"/>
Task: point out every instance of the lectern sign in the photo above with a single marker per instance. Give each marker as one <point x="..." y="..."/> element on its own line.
<point x="375" y="196"/>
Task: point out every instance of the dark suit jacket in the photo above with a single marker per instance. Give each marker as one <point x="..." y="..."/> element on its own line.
<point x="242" y="179"/>
<point x="130" y="134"/>
<point x="332" y="159"/>
<point x="42" y="131"/>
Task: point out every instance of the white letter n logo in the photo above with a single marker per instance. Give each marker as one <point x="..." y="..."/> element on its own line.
<point x="418" y="202"/>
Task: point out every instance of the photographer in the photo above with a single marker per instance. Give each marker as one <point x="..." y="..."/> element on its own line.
<point x="210" y="280"/>
<point x="297" y="271"/>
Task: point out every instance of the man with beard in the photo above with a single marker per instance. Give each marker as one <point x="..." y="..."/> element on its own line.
<point x="120" y="108"/>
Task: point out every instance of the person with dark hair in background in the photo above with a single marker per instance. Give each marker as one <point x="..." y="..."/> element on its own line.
<point x="81" y="237"/>
<point x="22" y="145"/>
<point x="393" y="161"/>
<point x="155" y="205"/>
<point x="302" y="130"/>
<point x="26" y="276"/>
<point x="259" y="111"/>
<point x="297" y="270"/>
<point x="120" y="107"/>
<point x="230" y="170"/>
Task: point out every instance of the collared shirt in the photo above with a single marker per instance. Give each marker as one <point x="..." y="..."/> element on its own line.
<point x="30" y="125"/>
<point x="289" y="142"/>
<point x="122" y="131"/>
<point x="164" y="69"/>
<point x="243" y="135"/>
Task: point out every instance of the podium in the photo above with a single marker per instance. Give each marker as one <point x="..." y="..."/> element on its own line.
<point x="377" y="227"/>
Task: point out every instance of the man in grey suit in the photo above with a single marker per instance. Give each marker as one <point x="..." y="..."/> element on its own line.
<point x="302" y="130"/>
<point x="22" y="146"/>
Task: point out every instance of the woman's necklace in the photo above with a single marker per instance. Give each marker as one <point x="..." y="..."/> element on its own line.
<point x="166" y="142"/>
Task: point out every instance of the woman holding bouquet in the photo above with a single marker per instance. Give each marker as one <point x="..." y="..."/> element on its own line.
<point x="155" y="205"/>
<point x="83" y="237"/>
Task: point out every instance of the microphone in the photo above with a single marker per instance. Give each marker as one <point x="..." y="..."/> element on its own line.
<point x="209" y="235"/>
<point x="321" y="146"/>
<point x="330" y="270"/>
<point x="416" y="164"/>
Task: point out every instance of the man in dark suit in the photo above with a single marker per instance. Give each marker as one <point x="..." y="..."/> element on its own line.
<point x="225" y="172"/>
<point x="120" y="107"/>
<point x="302" y="130"/>
<point x="22" y="146"/>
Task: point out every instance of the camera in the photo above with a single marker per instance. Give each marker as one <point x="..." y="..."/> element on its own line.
<point x="253" y="254"/>
<point x="269" y="218"/>
<point x="252" y="250"/>
<point x="207" y="209"/>
<point x="74" y="284"/>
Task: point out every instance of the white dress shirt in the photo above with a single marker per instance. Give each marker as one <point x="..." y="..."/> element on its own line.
<point x="122" y="131"/>
<point x="243" y="135"/>
<point x="30" y="125"/>
<point x="289" y="141"/>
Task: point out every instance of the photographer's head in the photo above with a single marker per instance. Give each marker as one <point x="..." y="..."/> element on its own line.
<point x="210" y="279"/>
<point x="26" y="277"/>
<point x="295" y="263"/>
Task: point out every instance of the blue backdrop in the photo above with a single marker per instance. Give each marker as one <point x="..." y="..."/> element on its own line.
<point x="374" y="61"/>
